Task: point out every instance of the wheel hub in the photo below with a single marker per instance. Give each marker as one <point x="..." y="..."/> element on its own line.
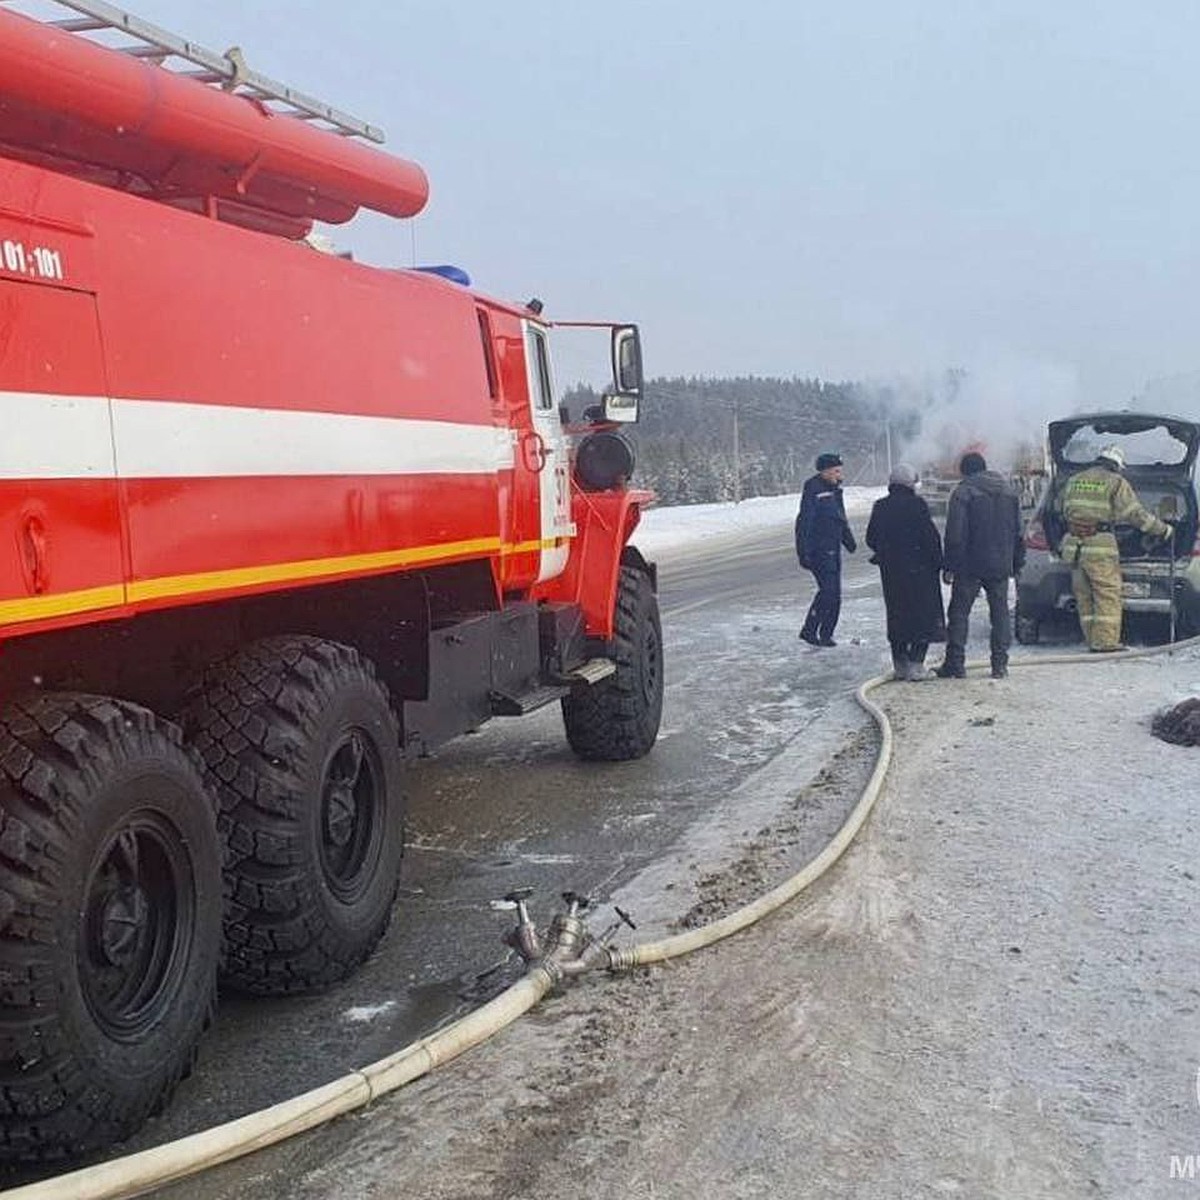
<point x="352" y="811"/>
<point x="123" y="923"/>
<point x="341" y="810"/>
<point x="650" y="661"/>
<point x="136" y="919"/>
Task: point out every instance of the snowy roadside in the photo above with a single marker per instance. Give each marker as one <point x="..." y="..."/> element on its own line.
<point x="676" y="530"/>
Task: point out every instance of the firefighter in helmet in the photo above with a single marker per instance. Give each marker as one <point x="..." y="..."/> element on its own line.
<point x="1096" y="499"/>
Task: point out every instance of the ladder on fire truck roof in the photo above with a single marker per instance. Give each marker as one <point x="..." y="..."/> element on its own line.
<point x="228" y="70"/>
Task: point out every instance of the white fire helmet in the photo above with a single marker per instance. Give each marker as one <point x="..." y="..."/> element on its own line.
<point x="1114" y="455"/>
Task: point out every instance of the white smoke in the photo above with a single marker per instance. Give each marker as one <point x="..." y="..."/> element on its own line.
<point x="1000" y="408"/>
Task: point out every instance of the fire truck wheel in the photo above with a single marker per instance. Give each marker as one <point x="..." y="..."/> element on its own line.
<point x="303" y="750"/>
<point x="617" y="719"/>
<point x="110" y="920"/>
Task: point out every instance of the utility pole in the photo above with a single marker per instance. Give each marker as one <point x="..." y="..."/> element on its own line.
<point x="887" y="433"/>
<point x="737" y="458"/>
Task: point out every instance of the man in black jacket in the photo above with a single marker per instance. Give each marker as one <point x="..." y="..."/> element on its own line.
<point x="821" y="532"/>
<point x="983" y="549"/>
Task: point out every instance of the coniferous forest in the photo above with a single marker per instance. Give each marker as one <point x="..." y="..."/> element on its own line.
<point x="685" y="437"/>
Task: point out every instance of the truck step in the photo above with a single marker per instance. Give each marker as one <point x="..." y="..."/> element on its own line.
<point x="592" y="671"/>
<point x="505" y="705"/>
<point x="588" y="673"/>
<point x="584" y="675"/>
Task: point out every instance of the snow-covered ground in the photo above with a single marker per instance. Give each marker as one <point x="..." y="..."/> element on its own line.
<point x="682" y="526"/>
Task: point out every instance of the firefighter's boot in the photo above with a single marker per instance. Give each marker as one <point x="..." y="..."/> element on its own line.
<point x="900" y="667"/>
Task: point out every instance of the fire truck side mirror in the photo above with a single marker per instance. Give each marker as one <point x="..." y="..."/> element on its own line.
<point x="622" y="403"/>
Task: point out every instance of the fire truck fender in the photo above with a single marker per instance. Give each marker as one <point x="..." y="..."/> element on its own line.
<point x="604" y="522"/>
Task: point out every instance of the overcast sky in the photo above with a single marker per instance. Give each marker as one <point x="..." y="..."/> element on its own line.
<point x="860" y="188"/>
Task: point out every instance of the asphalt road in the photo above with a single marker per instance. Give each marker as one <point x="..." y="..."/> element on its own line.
<point x="510" y="806"/>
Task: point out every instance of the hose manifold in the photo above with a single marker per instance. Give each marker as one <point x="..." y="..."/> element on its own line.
<point x="569" y="949"/>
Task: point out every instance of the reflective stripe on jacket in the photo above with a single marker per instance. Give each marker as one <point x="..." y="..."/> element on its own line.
<point x="1097" y="496"/>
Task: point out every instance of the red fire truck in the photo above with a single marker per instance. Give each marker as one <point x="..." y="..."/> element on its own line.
<point x="271" y="522"/>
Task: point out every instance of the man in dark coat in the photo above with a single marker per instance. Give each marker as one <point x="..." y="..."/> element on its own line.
<point x="983" y="549"/>
<point x="908" y="550"/>
<point x="821" y="532"/>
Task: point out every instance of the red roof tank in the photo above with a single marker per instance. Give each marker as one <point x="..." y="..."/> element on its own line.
<point x="90" y="109"/>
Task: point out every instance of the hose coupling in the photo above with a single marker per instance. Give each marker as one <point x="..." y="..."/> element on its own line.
<point x="596" y="955"/>
<point x="621" y="958"/>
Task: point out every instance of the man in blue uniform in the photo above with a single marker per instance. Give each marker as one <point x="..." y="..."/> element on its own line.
<point x="821" y="532"/>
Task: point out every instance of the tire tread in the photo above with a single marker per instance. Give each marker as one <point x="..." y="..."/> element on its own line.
<point x="612" y="721"/>
<point x="54" y="751"/>
<point x="249" y="724"/>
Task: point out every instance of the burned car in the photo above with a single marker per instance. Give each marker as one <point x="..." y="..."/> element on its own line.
<point x="1160" y="457"/>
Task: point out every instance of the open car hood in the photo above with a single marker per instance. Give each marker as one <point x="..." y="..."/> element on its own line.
<point x="1171" y="449"/>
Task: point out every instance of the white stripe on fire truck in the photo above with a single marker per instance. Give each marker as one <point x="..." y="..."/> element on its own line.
<point x="55" y="437"/>
<point x="69" y="437"/>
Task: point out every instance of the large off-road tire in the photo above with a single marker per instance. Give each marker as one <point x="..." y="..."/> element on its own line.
<point x="110" y="920"/>
<point x="303" y="751"/>
<point x="617" y="719"/>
